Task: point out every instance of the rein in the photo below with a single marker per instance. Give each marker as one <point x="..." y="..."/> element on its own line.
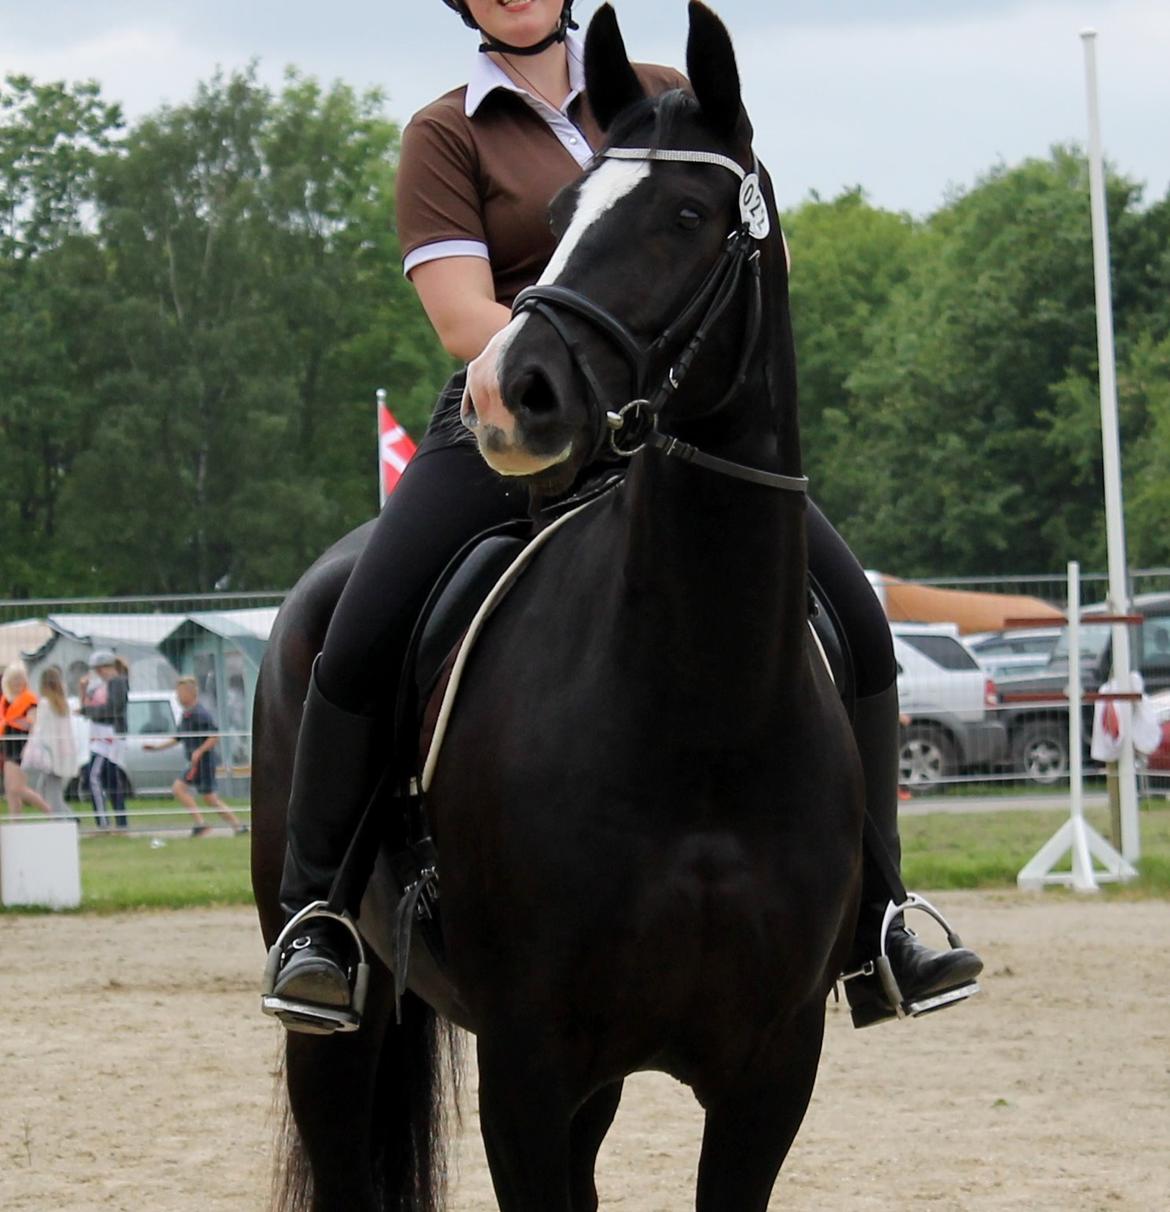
<point x="635" y="425"/>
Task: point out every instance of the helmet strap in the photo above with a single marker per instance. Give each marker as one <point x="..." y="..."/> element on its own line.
<point x="565" y="24"/>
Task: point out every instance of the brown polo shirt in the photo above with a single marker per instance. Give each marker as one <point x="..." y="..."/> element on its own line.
<point x="490" y="177"/>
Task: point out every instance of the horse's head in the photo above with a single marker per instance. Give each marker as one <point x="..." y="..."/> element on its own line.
<point x="653" y="292"/>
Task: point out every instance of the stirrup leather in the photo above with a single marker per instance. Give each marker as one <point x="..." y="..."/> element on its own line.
<point x="885" y="971"/>
<point x="308" y="1016"/>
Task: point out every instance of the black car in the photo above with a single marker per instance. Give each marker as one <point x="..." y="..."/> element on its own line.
<point x="1038" y="731"/>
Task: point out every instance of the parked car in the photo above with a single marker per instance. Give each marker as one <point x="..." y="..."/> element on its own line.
<point x="151" y="715"/>
<point x="1003" y="653"/>
<point x="950" y="703"/>
<point x="1038" y="731"/>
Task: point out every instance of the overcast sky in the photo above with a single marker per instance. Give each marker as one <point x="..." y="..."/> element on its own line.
<point x="907" y="98"/>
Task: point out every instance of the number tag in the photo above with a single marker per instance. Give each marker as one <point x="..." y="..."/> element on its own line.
<point x="753" y="210"/>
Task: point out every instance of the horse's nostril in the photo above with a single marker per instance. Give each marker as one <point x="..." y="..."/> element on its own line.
<point x="534" y="394"/>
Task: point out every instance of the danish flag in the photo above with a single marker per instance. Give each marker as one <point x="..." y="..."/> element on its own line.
<point x="395" y="448"/>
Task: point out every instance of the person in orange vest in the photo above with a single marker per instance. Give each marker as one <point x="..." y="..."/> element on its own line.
<point x="18" y="712"/>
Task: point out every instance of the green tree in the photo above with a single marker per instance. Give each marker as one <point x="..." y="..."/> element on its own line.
<point x="252" y="273"/>
<point x="52" y="294"/>
<point x="954" y="408"/>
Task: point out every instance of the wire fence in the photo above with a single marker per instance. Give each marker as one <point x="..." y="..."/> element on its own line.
<point x="971" y="726"/>
<point x="216" y="639"/>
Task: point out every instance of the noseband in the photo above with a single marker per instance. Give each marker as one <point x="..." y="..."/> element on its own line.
<point x="636" y="424"/>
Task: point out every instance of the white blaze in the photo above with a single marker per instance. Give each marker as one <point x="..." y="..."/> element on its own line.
<point x="602" y="189"/>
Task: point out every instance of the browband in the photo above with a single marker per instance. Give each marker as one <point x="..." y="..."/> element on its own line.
<point x="677" y="157"/>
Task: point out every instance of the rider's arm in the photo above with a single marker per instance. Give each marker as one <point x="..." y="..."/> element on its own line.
<point x="441" y="227"/>
<point x="459" y="298"/>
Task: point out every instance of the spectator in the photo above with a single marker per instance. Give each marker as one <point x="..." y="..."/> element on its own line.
<point x="50" y="757"/>
<point x="18" y="713"/>
<point x="104" y="695"/>
<point x="200" y="738"/>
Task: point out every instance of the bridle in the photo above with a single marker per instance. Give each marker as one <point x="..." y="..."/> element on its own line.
<point x="635" y="425"/>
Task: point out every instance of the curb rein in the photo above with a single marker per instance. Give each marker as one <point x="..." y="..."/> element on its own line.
<point x="635" y="425"/>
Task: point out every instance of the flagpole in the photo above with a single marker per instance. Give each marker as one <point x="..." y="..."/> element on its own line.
<point x="380" y="403"/>
<point x="1110" y="445"/>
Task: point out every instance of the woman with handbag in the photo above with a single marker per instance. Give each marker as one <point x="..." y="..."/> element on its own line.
<point x="18" y="713"/>
<point x="50" y="756"/>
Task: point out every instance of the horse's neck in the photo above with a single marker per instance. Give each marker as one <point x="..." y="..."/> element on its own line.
<point x="715" y="575"/>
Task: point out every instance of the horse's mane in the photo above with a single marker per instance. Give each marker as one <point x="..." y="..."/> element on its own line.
<point x="665" y="112"/>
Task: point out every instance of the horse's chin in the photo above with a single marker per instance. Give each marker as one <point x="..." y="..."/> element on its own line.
<point x="547" y="474"/>
<point x="555" y="480"/>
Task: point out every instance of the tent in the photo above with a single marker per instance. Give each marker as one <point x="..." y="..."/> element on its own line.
<point x="971" y="610"/>
<point x="222" y="650"/>
<point x="21" y="637"/>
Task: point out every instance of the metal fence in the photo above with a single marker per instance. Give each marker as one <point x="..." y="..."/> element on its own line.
<point x="967" y="727"/>
<point x="1018" y="742"/>
<point x="217" y="639"/>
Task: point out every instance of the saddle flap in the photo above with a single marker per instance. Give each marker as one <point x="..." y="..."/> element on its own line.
<point x="452" y="612"/>
<point x="834" y="644"/>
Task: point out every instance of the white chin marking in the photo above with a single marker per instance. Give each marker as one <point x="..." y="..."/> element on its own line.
<point x="602" y="189"/>
<point x="515" y="462"/>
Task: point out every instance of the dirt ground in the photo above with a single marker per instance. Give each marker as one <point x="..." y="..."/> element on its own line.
<point x="136" y="1073"/>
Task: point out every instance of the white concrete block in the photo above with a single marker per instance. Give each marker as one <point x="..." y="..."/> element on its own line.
<point x="40" y="862"/>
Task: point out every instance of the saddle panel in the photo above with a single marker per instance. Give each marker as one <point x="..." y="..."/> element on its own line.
<point x="834" y="643"/>
<point x="452" y="611"/>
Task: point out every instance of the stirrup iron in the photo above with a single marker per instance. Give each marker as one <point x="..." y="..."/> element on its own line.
<point x="885" y="971"/>
<point x="309" y="1017"/>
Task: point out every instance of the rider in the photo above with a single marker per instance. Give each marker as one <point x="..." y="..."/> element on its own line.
<point x="477" y="171"/>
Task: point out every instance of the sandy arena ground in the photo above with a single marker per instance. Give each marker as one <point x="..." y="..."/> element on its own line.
<point x="152" y="1088"/>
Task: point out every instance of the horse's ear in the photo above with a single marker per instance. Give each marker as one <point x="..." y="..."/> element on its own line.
<point x="711" y="67"/>
<point x="609" y="79"/>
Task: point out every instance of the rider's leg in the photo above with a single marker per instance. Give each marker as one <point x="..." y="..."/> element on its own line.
<point x="919" y="970"/>
<point x="446" y="496"/>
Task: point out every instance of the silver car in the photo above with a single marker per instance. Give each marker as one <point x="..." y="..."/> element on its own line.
<point x="950" y="704"/>
<point x="151" y="716"/>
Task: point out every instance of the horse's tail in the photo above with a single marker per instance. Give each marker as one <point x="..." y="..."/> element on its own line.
<point x="416" y="1088"/>
<point x="416" y="1091"/>
<point x="292" y="1178"/>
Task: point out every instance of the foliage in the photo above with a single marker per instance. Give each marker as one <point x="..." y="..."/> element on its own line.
<point x="195" y="312"/>
<point x="190" y="383"/>
<point x="964" y="438"/>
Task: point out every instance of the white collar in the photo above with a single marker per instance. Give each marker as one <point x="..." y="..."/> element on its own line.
<point x="487" y="76"/>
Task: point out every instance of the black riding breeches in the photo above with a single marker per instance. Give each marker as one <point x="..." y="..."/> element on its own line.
<point x="843" y="580"/>
<point x="446" y="496"/>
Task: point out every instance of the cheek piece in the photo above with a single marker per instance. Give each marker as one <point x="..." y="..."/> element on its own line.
<point x="636" y="423"/>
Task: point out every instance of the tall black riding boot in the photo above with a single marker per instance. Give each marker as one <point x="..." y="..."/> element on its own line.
<point x="313" y="970"/>
<point x="925" y="979"/>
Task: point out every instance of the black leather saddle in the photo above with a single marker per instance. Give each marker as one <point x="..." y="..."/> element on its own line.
<point x="835" y="643"/>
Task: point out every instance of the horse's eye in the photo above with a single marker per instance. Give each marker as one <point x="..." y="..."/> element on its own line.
<point x="690" y="219"/>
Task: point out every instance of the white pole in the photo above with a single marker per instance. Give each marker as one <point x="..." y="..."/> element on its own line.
<point x="1082" y="860"/>
<point x="1075" y="760"/>
<point x="380" y="398"/>
<point x="1110" y="446"/>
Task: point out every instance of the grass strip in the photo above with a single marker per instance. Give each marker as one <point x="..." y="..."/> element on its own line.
<point x="941" y="850"/>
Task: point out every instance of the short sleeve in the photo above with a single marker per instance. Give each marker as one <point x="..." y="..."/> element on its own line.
<point x="438" y="195"/>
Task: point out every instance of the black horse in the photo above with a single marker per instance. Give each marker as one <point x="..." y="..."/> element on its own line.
<point x="648" y="805"/>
